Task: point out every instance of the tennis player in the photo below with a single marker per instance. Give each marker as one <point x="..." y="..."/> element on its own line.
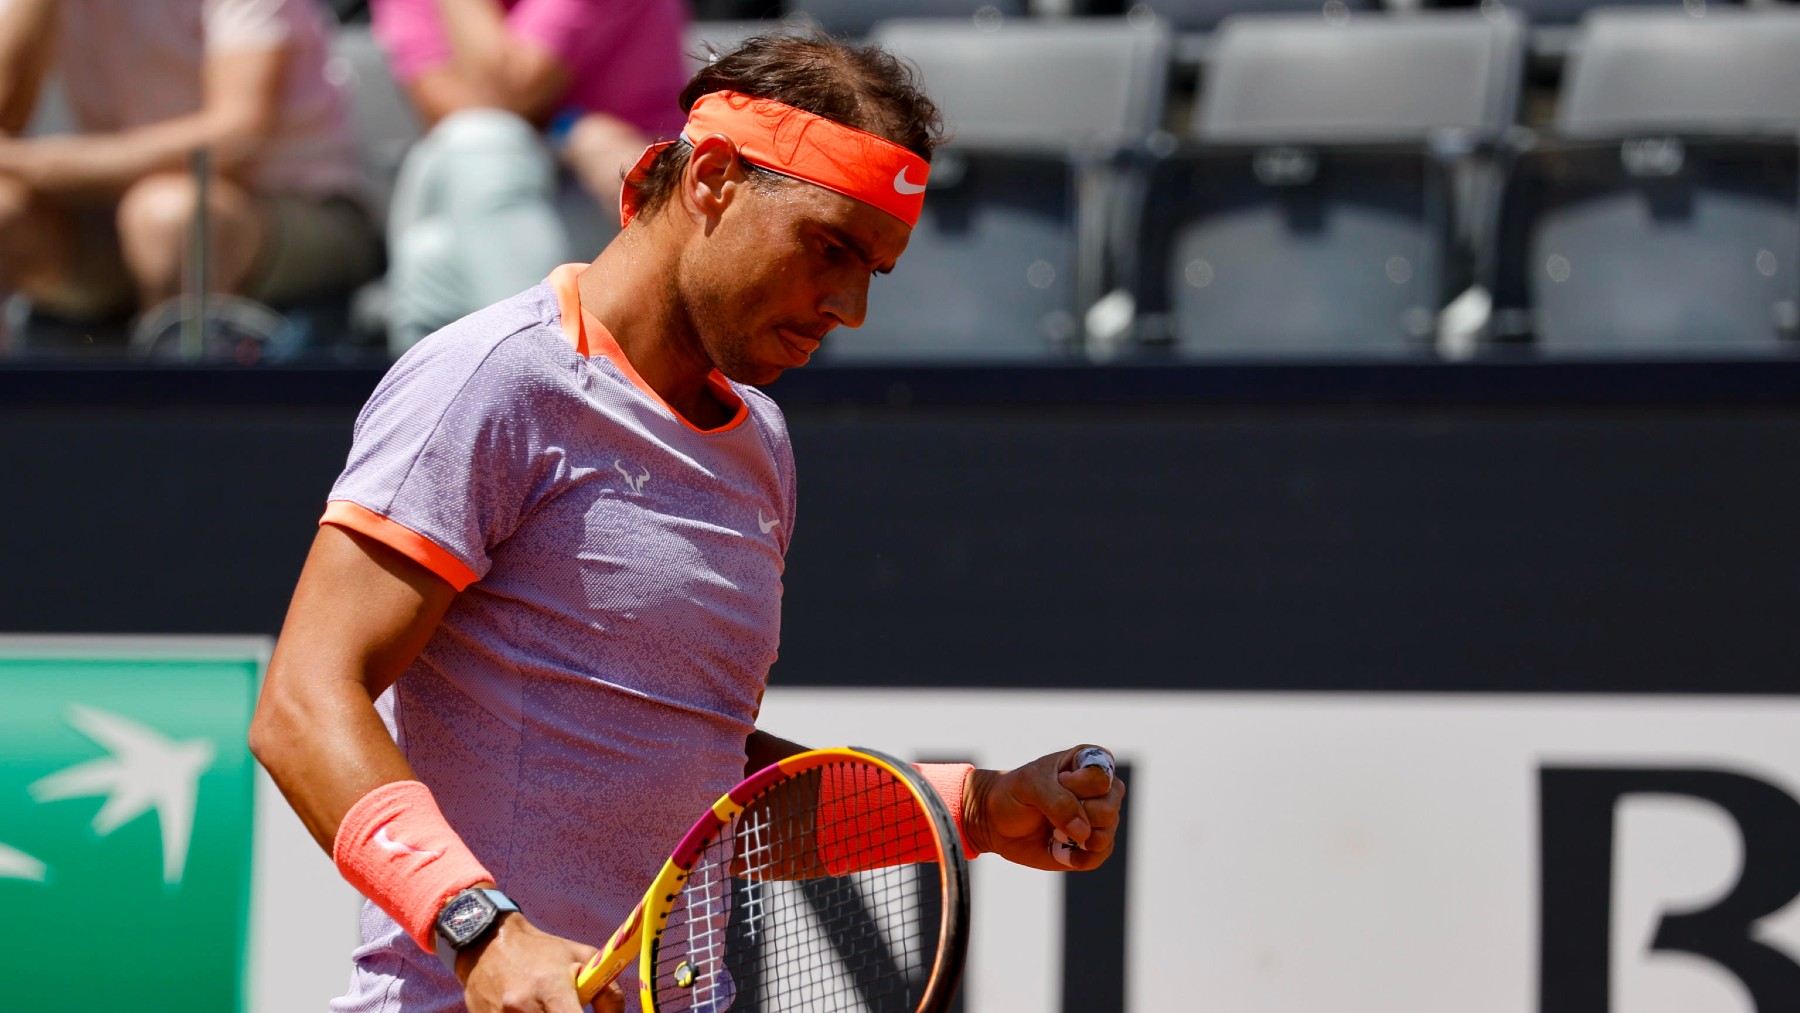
<point x="531" y="638"/>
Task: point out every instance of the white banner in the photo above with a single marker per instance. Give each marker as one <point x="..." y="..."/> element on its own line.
<point x="1296" y="853"/>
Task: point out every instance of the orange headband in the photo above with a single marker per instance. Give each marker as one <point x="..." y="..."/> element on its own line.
<point x="796" y="143"/>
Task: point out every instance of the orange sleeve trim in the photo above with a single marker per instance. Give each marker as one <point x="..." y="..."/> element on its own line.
<point x="402" y="539"/>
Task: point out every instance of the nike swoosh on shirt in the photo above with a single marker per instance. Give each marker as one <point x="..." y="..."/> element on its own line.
<point x="400" y="847"/>
<point x="902" y="185"/>
<point x="766" y="525"/>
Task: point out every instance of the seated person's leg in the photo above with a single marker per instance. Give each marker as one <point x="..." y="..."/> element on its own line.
<point x="474" y="221"/>
<point x="275" y="248"/>
<point x="63" y="258"/>
<point x="599" y="150"/>
<point x="156" y="220"/>
<point x="315" y="246"/>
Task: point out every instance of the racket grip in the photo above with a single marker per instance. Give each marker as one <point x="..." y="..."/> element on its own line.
<point x="1062" y="847"/>
<point x="609" y="963"/>
<point x="1094" y="756"/>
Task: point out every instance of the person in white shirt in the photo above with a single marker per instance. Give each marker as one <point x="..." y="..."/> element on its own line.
<point x="94" y="224"/>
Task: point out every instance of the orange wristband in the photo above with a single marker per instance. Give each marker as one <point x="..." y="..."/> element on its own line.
<point x="396" y="848"/>
<point x="868" y="821"/>
<point x="949" y="779"/>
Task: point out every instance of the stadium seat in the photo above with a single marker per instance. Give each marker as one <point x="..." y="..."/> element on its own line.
<point x="1541" y="13"/>
<point x="1008" y="252"/>
<point x="1553" y="24"/>
<point x="51" y="115"/>
<point x="856" y="18"/>
<point x="706" y="38"/>
<point x="1312" y="208"/>
<point x="1731" y="71"/>
<point x="1660" y="216"/>
<point x="1196" y="21"/>
<point x="1192" y="16"/>
<point x="384" y="122"/>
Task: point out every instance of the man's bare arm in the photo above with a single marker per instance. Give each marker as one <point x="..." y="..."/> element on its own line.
<point x="762" y="749"/>
<point x="360" y="614"/>
<point x="489" y="68"/>
<point x="27" y="42"/>
<point x="241" y="108"/>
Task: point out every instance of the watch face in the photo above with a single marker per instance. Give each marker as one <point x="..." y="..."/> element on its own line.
<point x="466" y="916"/>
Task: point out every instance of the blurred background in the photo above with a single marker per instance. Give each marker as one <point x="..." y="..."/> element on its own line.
<point x="1378" y="423"/>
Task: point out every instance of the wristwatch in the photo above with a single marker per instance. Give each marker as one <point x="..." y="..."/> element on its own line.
<point x="466" y="919"/>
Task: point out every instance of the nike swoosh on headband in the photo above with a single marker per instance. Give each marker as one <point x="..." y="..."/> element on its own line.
<point x="903" y="185"/>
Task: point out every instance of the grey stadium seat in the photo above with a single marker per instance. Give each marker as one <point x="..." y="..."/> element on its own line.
<point x="1556" y="13"/>
<point x="1730" y="72"/>
<point x="1373" y="78"/>
<point x="707" y="38"/>
<point x="384" y="121"/>
<point x="1002" y="263"/>
<point x="1661" y="216"/>
<point x="1311" y="210"/>
<point x="1191" y="16"/>
<point x="51" y="115"/>
<point x="858" y="17"/>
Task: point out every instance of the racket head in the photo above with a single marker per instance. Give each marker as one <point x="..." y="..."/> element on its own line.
<point x="832" y="880"/>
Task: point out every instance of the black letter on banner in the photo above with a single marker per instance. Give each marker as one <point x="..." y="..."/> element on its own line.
<point x="1576" y="806"/>
<point x="1094" y="948"/>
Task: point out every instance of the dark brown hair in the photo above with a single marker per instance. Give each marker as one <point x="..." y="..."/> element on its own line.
<point x="860" y="86"/>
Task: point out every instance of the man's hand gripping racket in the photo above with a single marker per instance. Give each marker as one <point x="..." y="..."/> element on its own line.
<point x="833" y="880"/>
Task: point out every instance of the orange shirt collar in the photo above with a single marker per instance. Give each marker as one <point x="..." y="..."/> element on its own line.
<point x="589" y="337"/>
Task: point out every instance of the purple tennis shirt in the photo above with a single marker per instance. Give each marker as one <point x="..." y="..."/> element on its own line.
<point x="589" y="691"/>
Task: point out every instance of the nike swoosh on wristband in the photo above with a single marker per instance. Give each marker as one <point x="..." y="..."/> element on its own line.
<point x="902" y="185"/>
<point x="400" y="847"/>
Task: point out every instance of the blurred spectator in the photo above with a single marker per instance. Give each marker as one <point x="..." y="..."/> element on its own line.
<point x="507" y="88"/>
<point x="96" y="222"/>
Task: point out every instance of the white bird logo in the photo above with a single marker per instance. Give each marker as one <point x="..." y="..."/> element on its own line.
<point x="147" y="770"/>
<point x="636" y="484"/>
<point x="16" y="864"/>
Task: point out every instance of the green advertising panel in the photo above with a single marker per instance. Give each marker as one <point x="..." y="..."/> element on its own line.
<point x="125" y="826"/>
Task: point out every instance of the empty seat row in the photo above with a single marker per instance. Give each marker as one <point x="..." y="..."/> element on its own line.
<point x="1338" y="186"/>
<point x="858" y="17"/>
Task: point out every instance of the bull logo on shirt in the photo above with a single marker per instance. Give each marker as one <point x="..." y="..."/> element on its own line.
<point x="636" y="484"/>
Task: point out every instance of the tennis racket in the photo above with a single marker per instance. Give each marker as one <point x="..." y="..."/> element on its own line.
<point x="831" y="881"/>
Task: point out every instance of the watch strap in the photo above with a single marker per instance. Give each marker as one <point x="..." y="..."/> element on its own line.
<point x="503" y="905"/>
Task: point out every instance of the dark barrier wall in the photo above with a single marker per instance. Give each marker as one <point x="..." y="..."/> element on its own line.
<point x="1591" y="529"/>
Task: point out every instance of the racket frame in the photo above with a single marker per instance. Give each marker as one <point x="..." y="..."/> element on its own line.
<point x="658" y="902"/>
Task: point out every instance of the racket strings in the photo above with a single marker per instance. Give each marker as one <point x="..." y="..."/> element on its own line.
<point x="815" y="899"/>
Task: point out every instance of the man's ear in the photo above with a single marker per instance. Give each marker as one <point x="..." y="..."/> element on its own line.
<point x="713" y="177"/>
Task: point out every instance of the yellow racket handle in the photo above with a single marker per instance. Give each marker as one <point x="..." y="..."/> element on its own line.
<point x="612" y="959"/>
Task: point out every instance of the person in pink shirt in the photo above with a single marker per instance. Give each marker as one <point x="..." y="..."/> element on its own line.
<point x="530" y="641"/>
<point x="534" y="108"/>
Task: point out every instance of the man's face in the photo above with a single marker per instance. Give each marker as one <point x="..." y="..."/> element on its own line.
<point x="782" y="265"/>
